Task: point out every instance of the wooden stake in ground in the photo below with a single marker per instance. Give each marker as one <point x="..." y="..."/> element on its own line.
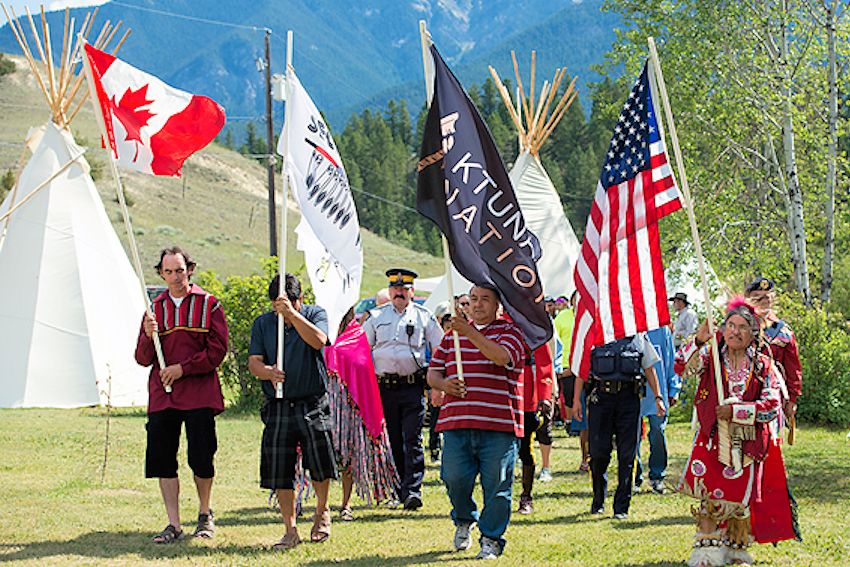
<point x="427" y="64"/>
<point x="108" y="423"/>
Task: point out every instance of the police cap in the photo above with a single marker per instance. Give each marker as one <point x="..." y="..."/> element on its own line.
<point x="760" y="284"/>
<point x="400" y="277"/>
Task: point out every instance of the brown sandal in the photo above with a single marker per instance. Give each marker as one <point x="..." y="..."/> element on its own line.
<point x="287" y="542"/>
<point x="321" y="527"/>
<point x="169" y="535"/>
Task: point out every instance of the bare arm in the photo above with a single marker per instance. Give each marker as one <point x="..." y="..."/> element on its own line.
<point x="311" y="334"/>
<point x="263" y="371"/>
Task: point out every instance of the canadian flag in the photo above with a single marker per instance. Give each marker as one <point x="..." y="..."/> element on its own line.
<point x="151" y="127"/>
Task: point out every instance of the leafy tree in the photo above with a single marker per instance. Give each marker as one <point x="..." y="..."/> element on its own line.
<point x="6" y="66"/>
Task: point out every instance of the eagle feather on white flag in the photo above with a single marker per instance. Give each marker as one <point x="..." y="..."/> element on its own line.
<point x="329" y="231"/>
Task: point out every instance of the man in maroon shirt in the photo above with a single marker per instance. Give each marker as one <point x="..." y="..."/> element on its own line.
<point x="193" y="332"/>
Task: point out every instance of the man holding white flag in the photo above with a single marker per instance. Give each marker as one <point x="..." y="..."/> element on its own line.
<point x="329" y="232"/>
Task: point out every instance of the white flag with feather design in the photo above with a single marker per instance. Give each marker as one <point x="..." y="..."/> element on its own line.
<point x="329" y="231"/>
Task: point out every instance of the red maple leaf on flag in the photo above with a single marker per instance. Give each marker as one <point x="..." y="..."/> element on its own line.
<point x="132" y="114"/>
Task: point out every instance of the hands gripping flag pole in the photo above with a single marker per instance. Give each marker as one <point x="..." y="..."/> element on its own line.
<point x="147" y="126"/>
<point x="464" y="189"/>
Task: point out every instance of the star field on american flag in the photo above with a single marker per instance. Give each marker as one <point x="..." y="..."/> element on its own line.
<point x="636" y="129"/>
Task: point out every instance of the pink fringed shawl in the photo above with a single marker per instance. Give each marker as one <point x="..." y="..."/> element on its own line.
<point x="351" y="359"/>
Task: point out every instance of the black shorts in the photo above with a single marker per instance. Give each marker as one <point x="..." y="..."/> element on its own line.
<point x="163" y="429"/>
<point x="289" y="425"/>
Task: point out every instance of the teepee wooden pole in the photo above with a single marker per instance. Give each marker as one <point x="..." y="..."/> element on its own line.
<point x="519" y="84"/>
<point x="531" y="100"/>
<point x="515" y="114"/>
<point x="21" y="38"/>
<point x="428" y="72"/>
<point x="125" y="213"/>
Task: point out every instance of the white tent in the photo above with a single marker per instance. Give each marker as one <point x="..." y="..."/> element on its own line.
<point x="541" y="206"/>
<point x="544" y="215"/>
<point x="70" y="304"/>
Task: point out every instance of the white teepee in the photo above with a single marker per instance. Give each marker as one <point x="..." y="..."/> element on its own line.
<point x="70" y="305"/>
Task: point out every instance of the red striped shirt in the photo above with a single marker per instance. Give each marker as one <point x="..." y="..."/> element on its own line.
<point x="493" y="393"/>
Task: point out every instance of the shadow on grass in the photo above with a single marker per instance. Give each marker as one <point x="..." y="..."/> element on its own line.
<point x="663" y="521"/>
<point x="419" y="559"/>
<point x="112" y="545"/>
<point x="655" y="564"/>
<point x="257" y="516"/>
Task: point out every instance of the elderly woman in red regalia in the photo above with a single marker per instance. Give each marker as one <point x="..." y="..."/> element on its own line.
<point x="735" y="468"/>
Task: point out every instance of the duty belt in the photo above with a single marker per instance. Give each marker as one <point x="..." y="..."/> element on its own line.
<point x="391" y="380"/>
<point x="617" y="386"/>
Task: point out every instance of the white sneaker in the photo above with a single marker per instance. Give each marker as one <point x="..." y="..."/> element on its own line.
<point x="490" y="549"/>
<point x="545" y="475"/>
<point x="463" y="536"/>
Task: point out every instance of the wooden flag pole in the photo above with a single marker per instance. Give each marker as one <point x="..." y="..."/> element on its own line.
<point x="429" y="95"/>
<point x="680" y="166"/>
<point x="281" y="253"/>
<point x="125" y="213"/>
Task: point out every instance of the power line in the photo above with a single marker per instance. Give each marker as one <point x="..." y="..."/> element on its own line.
<point x="190" y="18"/>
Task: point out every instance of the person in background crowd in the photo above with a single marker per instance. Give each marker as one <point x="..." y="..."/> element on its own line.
<point x="435" y="399"/>
<point x="613" y="408"/>
<point x="669" y="386"/>
<point x="481" y="419"/>
<point x="686" y="319"/>
<point x="400" y="333"/>
<point x="462" y="305"/>
<point x="537" y="385"/>
<point x="193" y="333"/>
<point x="296" y="413"/>
<point x="564" y="323"/>
<point x="782" y="341"/>
<point x="361" y="442"/>
<point x="738" y="477"/>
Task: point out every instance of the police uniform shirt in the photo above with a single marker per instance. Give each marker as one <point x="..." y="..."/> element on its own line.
<point x="393" y="351"/>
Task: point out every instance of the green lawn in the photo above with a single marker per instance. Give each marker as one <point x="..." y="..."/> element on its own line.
<point x="54" y="508"/>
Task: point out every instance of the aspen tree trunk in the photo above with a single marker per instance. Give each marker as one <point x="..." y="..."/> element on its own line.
<point x="795" y="196"/>
<point x="829" y="236"/>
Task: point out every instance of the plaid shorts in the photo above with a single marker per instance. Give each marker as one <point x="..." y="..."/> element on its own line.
<point x="288" y="425"/>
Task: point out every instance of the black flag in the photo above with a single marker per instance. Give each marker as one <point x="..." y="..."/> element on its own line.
<point x="463" y="187"/>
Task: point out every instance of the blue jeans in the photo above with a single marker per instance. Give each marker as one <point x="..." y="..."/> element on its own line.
<point x="492" y="454"/>
<point x="657" y="450"/>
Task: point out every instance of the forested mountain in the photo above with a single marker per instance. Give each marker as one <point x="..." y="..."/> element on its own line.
<point x="349" y="55"/>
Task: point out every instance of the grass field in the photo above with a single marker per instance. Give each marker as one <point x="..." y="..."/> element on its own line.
<point x="55" y="510"/>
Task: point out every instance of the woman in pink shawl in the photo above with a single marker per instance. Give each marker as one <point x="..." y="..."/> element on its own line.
<point x="360" y="433"/>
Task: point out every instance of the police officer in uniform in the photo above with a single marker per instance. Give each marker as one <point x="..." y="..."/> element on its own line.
<point x="613" y="408"/>
<point x="399" y="333"/>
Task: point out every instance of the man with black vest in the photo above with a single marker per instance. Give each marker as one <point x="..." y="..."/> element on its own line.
<point x="399" y="332"/>
<point x="613" y="408"/>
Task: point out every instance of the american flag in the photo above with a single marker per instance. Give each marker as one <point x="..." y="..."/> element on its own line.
<point x="619" y="274"/>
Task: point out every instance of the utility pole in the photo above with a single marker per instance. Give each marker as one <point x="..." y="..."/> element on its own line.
<point x="270" y="147"/>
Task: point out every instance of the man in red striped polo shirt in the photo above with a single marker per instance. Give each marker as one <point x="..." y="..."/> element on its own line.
<point x="481" y="418"/>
